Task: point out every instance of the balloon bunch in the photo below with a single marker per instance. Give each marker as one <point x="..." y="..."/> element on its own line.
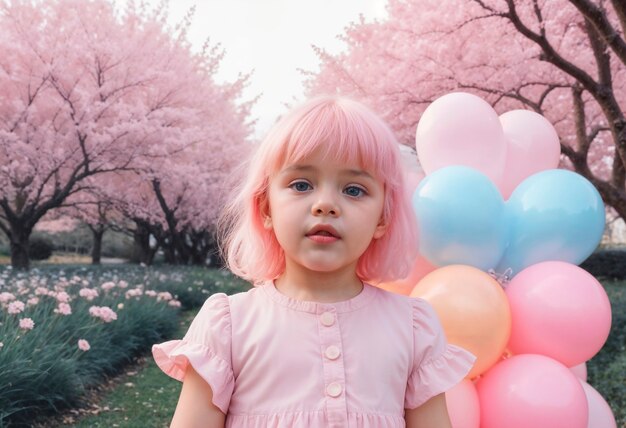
<point x="501" y="233"/>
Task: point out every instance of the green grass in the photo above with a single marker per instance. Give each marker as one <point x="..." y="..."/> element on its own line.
<point x="143" y="396"/>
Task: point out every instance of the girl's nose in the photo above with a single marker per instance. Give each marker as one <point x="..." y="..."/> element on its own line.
<point x="325" y="205"/>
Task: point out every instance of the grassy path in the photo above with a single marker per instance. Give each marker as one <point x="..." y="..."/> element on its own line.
<point x="142" y="397"/>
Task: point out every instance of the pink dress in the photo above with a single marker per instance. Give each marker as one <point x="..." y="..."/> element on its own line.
<point x="274" y="361"/>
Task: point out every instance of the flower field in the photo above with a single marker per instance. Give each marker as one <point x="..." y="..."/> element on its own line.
<point x="63" y="329"/>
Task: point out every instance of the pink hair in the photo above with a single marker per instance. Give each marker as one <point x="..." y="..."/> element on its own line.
<point x="344" y="129"/>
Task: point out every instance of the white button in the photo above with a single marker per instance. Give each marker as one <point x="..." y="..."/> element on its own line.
<point x="332" y="352"/>
<point x="327" y="318"/>
<point x="334" y="389"/>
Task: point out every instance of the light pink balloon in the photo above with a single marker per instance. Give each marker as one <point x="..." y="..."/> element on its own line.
<point x="580" y="371"/>
<point x="600" y="414"/>
<point x="461" y="129"/>
<point x="532" y="146"/>
<point x="531" y="391"/>
<point x="558" y="310"/>
<point x="463" y="405"/>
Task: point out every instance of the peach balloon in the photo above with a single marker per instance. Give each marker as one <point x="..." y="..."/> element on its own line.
<point x="473" y="310"/>
<point x="463" y="405"/>
<point x="404" y="286"/>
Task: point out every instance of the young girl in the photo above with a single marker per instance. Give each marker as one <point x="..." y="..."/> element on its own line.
<point x="320" y="216"/>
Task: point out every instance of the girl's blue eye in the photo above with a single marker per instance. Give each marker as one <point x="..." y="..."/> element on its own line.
<point x="300" y="186"/>
<point x="354" y="191"/>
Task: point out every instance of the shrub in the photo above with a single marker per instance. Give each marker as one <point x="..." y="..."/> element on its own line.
<point x="40" y="248"/>
<point x="606" y="263"/>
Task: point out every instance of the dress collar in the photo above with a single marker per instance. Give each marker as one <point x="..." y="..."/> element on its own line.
<point x="358" y="301"/>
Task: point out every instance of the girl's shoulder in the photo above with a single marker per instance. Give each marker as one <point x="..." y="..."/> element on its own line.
<point x="421" y="311"/>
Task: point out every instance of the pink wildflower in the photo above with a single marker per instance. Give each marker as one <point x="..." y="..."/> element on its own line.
<point x="63" y="297"/>
<point x="6" y="297"/>
<point x="134" y="292"/>
<point x="27" y="324"/>
<point x="105" y="313"/>
<point x="151" y="293"/>
<point x="174" y="303"/>
<point x="33" y="301"/>
<point x="164" y="295"/>
<point x="108" y="285"/>
<point x="16" y="307"/>
<point x="63" y="309"/>
<point x="41" y="291"/>
<point x="122" y="284"/>
<point x="83" y="345"/>
<point x="88" y="293"/>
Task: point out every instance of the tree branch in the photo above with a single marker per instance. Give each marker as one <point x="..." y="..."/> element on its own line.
<point x="597" y="16"/>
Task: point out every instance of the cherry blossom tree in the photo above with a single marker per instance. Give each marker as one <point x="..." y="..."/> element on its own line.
<point x="87" y="92"/>
<point x="565" y="59"/>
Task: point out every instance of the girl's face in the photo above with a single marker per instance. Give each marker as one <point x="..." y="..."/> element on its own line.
<point x="324" y="213"/>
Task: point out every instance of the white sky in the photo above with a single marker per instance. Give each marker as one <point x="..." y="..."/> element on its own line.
<point x="273" y="38"/>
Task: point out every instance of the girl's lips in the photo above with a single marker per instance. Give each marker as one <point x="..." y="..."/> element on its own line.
<point x="323" y="239"/>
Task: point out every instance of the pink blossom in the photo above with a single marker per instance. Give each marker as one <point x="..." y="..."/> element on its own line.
<point x="174" y="303"/>
<point x="83" y="345"/>
<point x="33" y="301"/>
<point x="108" y="285"/>
<point x="88" y="293"/>
<point x="63" y="297"/>
<point x="122" y="284"/>
<point x="151" y="293"/>
<point x="16" y="307"/>
<point x="6" y="297"/>
<point x="105" y="313"/>
<point x="120" y="306"/>
<point x="164" y="295"/>
<point x="135" y="292"/>
<point x="64" y="309"/>
<point x="42" y="291"/>
<point x="27" y="324"/>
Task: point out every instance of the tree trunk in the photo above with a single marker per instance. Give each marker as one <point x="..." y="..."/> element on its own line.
<point x="141" y="244"/>
<point x="19" y="237"/>
<point x="96" y="248"/>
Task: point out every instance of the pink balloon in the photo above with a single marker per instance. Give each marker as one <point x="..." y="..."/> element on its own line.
<point x="531" y="391"/>
<point x="461" y="129"/>
<point x="463" y="405"/>
<point x="532" y="146"/>
<point x="580" y="371"/>
<point x="558" y="310"/>
<point x="600" y="414"/>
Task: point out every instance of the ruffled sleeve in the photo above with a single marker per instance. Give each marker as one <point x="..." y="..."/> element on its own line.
<point x="437" y="365"/>
<point x="207" y="347"/>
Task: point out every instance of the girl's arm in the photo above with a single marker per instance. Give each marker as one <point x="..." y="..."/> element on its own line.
<point x="195" y="405"/>
<point x="432" y="413"/>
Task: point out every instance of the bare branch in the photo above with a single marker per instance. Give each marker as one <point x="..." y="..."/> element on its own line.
<point x="597" y="16"/>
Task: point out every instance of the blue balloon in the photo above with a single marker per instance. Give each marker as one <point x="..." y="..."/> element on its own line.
<point x="553" y="215"/>
<point x="461" y="218"/>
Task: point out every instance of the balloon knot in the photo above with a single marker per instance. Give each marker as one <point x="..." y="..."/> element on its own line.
<point x="502" y="278"/>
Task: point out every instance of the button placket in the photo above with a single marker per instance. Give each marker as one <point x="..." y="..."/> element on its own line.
<point x="334" y="373"/>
